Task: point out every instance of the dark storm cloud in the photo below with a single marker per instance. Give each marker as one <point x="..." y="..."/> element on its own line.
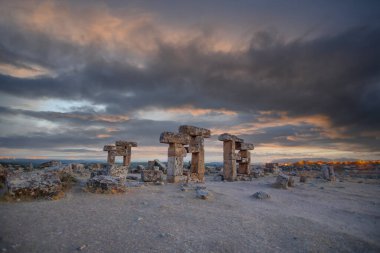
<point x="333" y="75"/>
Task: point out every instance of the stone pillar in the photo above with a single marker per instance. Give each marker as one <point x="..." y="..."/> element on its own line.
<point x="176" y="152"/>
<point x="229" y="156"/>
<point x="196" y="148"/>
<point x="245" y="157"/>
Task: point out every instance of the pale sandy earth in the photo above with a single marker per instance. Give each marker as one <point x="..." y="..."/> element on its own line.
<point x="340" y="217"/>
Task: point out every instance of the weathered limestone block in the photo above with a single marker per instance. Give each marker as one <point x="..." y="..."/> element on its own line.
<point x="176" y="149"/>
<point x="303" y="179"/>
<point x="198" y="165"/>
<point x="281" y="181"/>
<point x="195" y="131"/>
<point x="64" y="172"/>
<point x="229" y="137"/>
<point x="109" y="147"/>
<point x="261" y="195"/>
<point x="112" y="170"/>
<point x="126" y="143"/>
<point x="196" y="145"/>
<point x="325" y="172"/>
<point x="34" y="184"/>
<point x="175" y="169"/>
<point x="178" y="138"/>
<point x="161" y="165"/>
<point x="3" y="173"/>
<point x="332" y="174"/>
<point x="244" y="146"/>
<point x="291" y="182"/>
<point x="152" y="176"/>
<point x="229" y="160"/>
<point x="106" y="184"/>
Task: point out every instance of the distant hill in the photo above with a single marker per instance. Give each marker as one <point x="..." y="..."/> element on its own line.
<point x="293" y="160"/>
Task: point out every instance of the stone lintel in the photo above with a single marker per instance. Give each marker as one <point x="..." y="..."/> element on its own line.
<point x="109" y="147"/>
<point x="195" y="131"/>
<point x="244" y="146"/>
<point x="229" y="137"/>
<point x="179" y="138"/>
<point x="126" y="143"/>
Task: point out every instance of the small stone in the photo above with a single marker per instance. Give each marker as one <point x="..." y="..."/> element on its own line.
<point x="139" y="218"/>
<point x="261" y="195"/>
<point x="202" y="194"/>
<point x="82" y="247"/>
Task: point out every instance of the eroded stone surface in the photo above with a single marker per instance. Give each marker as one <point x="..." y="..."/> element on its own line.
<point x="179" y="138"/>
<point x="34" y="184"/>
<point x="151" y="176"/>
<point x="281" y="181"/>
<point x="195" y="131"/>
<point x="106" y="184"/>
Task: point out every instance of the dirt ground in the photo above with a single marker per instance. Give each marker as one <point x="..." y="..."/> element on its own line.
<point x="311" y="217"/>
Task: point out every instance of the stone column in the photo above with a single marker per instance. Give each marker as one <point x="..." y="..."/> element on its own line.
<point x="196" y="148"/>
<point x="111" y="149"/>
<point x="176" y="152"/>
<point x="245" y="157"/>
<point x="229" y="156"/>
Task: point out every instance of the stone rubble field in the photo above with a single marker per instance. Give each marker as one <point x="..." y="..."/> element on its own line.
<point x="268" y="214"/>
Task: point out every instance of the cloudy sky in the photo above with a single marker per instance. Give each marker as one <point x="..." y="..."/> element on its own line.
<point x="296" y="78"/>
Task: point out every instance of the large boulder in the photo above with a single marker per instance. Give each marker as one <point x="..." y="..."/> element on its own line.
<point x="112" y="170"/>
<point x="106" y="184"/>
<point x="151" y="175"/>
<point x="80" y="169"/>
<point x="34" y="184"/>
<point x="64" y="172"/>
<point x="282" y="181"/>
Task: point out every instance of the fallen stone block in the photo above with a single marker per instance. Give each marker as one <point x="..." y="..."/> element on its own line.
<point x="195" y="131"/>
<point x="3" y="173"/>
<point x="303" y="179"/>
<point x="291" y="182"/>
<point x="202" y="193"/>
<point x="261" y="195"/>
<point x="34" y="184"/>
<point x="281" y="181"/>
<point x="106" y="184"/>
<point x="151" y="175"/>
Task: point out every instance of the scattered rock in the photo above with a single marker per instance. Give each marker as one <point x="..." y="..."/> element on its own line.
<point x="106" y="184"/>
<point x="82" y="247"/>
<point x="291" y="182"/>
<point x="151" y="176"/>
<point x="261" y="195"/>
<point x="201" y="192"/>
<point x="218" y="178"/>
<point x="34" y="184"/>
<point x="284" y="181"/>
<point x="303" y="179"/>
<point x="3" y="173"/>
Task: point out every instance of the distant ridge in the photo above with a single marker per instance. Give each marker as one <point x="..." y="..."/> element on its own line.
<point x="293" y="160"/>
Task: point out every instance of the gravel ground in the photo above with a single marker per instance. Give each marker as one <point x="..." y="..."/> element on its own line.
<point x="311" y="217"/>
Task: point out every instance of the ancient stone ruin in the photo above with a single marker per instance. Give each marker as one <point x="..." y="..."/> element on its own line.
<point x="121" y="148"/>
<point x="231" y="143"/>
<point x="190" y="139"/>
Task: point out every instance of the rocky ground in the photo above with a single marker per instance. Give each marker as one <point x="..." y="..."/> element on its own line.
<point x="315" y="216"/>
